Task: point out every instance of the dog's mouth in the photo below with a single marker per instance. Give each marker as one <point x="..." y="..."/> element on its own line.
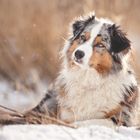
<point x="79" y="61"/>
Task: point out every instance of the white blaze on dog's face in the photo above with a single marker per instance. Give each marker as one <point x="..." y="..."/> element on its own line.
<point x="83" y="52"/>
<point x="96" y="43"/>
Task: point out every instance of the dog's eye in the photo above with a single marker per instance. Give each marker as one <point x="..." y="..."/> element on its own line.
<point x="83" y="38"/>
<point x="105" y="38"/>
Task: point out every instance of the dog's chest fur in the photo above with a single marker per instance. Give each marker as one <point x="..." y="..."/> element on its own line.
<point x="91" y="96"/>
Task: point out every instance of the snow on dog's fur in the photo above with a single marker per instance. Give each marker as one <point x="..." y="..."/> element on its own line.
<point x="96" y="80"/>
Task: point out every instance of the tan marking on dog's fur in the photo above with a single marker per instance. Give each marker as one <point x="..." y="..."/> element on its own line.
<point x="132" y="98"/>
<point x="87" y="35"/>
<point x="97" y="40"/>
<point x="73" y="47"/>
<point x="113" y="112"/>
<point x="70" y="51"/>
<point x="117" y="113"/>
<point x="127" y="102"/>
<point x="102" y="62"/>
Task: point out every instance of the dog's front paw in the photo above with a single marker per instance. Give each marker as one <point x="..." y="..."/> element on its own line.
<point x="66" y="115"/>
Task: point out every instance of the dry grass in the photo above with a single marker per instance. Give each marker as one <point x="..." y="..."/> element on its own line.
<point x="9" y="116"/>
<point x="31" y="32"/>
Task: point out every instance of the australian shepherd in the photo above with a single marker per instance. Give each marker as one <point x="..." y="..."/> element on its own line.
<point x="96" y="80"/>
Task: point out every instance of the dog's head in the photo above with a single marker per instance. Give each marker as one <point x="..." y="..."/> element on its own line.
<point x="96" y="44"/>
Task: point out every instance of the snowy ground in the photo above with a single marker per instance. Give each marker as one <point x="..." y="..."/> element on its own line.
<point x="20" y="100"/>
<point x="53" y="132"/>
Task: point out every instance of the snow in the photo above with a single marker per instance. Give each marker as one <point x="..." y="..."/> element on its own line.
<point x="18" y="99"/>
<point x="54" y="132"/>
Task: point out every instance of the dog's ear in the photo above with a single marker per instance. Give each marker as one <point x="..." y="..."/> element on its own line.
<point x="79" y="25"/>
<point x="119" y="41"/>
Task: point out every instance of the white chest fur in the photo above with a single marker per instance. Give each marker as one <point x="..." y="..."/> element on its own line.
<point x="89" y="95"/>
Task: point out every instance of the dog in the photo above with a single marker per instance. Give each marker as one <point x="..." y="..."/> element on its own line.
<point x="96" y="79"/>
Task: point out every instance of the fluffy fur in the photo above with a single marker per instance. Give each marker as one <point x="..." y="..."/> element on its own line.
<point x="97" y="82"/>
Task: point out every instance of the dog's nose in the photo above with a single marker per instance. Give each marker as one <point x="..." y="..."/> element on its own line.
<point x="79" y="54"/>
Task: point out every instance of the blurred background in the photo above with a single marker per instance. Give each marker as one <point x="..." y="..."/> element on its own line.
<point x="31" y="35"/>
